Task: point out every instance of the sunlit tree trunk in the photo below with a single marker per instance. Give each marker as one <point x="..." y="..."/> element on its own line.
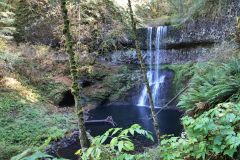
<point x="143" y="69"/>
<point x="73" y="68"/>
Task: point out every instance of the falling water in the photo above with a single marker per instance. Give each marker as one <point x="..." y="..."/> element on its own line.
<point x="154" y="78"/>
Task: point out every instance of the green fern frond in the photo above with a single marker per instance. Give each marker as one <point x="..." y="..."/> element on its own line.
<point x="213" y="86"/>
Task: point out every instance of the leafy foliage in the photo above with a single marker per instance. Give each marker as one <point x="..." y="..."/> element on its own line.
<point x="213" y="85"/>
<point x="207" y="7"/>
<point x="153" y="9"/>
<point x="119" y="147"/>
<point x="178" y="11"/>
<point x="9" y="150"/>
<point x="30" y="154"/>
<point x="215" y="133"/>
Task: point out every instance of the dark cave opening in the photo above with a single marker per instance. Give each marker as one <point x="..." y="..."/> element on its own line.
<point x="67" y="100"/>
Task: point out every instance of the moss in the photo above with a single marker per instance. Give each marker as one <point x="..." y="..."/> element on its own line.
<point x="52" y="91"/>
<point x="97" y="74"/>
<point x="100" y="95"/>
<point x="110" y="84"/>
<point x="183" y="73"/>
<point x="120" y="83"/>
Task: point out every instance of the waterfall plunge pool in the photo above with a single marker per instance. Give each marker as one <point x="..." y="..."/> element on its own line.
<point x="124" y="116"/>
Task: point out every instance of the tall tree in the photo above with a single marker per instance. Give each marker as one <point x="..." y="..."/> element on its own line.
<point x="143" y="69"/>
<point x="84" y="141"/>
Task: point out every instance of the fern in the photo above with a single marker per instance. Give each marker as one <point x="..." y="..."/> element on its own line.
<point x="213" y="86"/>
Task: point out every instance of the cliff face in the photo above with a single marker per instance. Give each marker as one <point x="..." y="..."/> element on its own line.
<point x="202" y="31"/>
<point x="194" y="40"/>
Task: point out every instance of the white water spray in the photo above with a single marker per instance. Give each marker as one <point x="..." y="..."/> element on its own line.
<point x="155" y="81"/>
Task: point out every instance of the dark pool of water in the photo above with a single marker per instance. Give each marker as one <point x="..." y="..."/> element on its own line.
<point x="125" y="116"/>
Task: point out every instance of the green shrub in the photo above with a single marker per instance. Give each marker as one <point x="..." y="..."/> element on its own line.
<point x="178" y="11"/>
<point x="215" y="133"/>
<point x="119" y="147"/>
<point x="213" y="83"/>
<point x="30" y="154"/>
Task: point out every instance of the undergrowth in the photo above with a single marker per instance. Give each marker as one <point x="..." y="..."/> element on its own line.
<point x="213" y="83"/>
<point x="25" y="124"/>
<point x="213" y="135"/>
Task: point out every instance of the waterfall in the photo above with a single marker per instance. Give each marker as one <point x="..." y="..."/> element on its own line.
<point x="154" y="77"/>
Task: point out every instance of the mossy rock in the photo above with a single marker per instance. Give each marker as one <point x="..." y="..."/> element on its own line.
<point x="57" y="94"/>
<point x="121" y="82"/>
<point x="100" y="96"/>
<point x="182" y="74"/>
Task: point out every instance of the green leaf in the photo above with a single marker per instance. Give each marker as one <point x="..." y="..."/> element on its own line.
<point x="89" y="151"/>
<point x="104" y="137"/>
<point x="37" y="155"/>
<point x="79" y="152"/>
<point x="135" y="126"/>
<point x="131" y="131"/>
<point x="98" y="153"/>
<point x="229" y="152"/>
<point x="149" y="136"/>
<point x="120" y="146"/>
<point x="128" y="146"/>
<point x="116" y="130"/>
<point x="113" y="142"/>
<point x="218" y="140"/>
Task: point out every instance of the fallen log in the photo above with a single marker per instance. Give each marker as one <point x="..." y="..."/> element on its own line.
<point x="109" y="120"/>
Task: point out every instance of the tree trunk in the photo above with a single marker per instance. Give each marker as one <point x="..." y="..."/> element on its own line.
<point x="144" y="72"/>
<point x="73" y="69"/>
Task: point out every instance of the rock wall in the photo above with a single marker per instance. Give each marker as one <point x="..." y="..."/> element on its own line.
<point x="203" y="31"/>
<point x="173" y="56"/>
<point x="194" y="40"/>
